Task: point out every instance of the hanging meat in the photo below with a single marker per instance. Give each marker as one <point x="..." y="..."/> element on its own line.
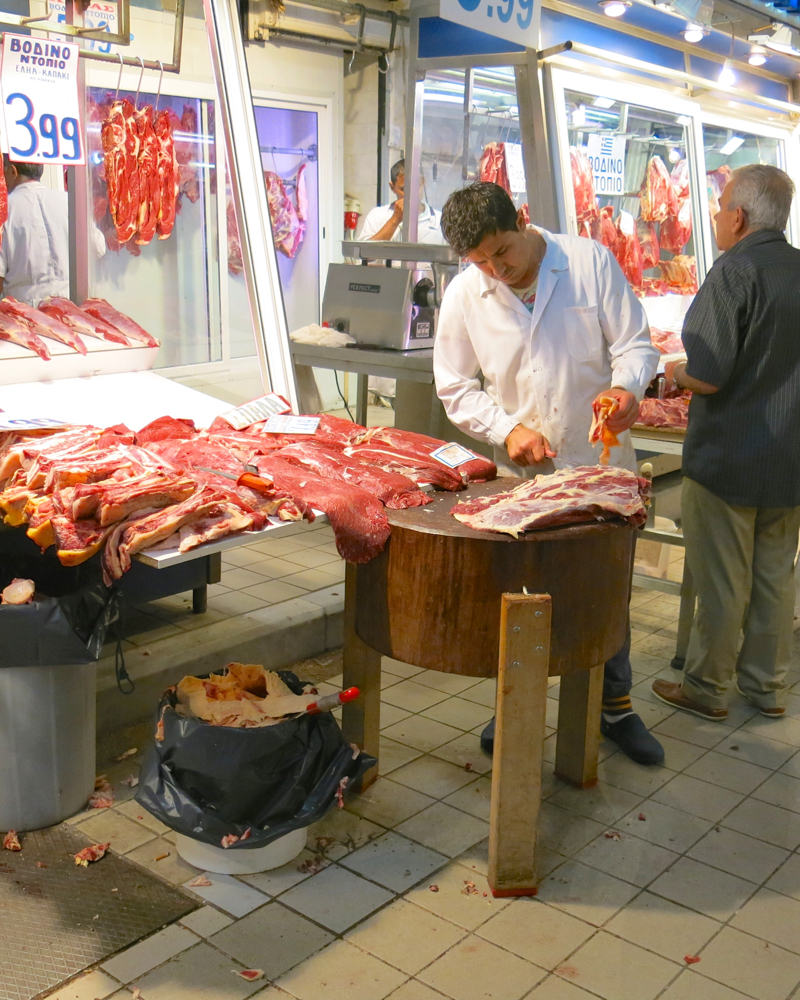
<point x="680" y="274"/>
<point x="628" y="251"/>
<point x="149" y="187"/>
<point x="492" y="168"/>
<point x="235" y="262"/>
<point x="583" y="186"/>
<point x="120" y="138"/>
<point x="648" y="240"/>
<point x="657" y="195"/>
<point x="188" y="152"/>
<point x="602" y="228"/>
<point x="167" y="176"/>
<point x="715" y="183"/>
<point x="287" y="228"/>
<point x="3" y="204"/>
<point x="680" y="181"/>
<point x="676" y="231"/>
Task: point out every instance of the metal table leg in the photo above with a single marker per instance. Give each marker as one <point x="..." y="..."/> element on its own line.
<point x="362" y="397"/>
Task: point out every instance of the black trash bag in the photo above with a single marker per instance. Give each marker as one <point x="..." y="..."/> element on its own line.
<point x="209" y="781"/>
<point x="67" y="626"/>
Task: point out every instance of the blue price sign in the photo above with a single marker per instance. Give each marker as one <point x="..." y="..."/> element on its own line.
<point x="514" y="20"/>
<point x="40" y="101"/>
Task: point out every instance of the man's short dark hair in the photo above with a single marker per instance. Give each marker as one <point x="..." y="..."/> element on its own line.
<point x="475" y="212"/>
<point x="32" y="170"/>
<point x="397" y="169"/>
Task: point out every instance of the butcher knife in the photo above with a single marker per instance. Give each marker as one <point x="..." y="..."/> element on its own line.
<point x="249" y="478"/>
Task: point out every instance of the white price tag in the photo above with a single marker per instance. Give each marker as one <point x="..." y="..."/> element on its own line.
<point x="255" y="411"/>
<point x="290" y="424"/>
<point x="452" y="455"/>
<point x="40" y="101"/>
<point x="516" y="21"/>
<point x="626" y="223"/>
<point x="515" y="168"/>
<point x="8" y="422"/>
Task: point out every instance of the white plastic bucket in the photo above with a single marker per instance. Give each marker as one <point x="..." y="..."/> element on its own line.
<point x="241" y="862"/>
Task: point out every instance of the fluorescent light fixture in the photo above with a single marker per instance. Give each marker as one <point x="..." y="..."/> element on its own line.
<point x="674" y="155"/>
<point x="726" y="75"/>
<point x="695" y="11"/>
<point x="732" y="145"/>
<point x="579" y="116"/>
<point x="614" y="8"/>
<point x="784" y="39"/>
<point x="603" y="102"/>
<point x="694" y="33"/>
<point x="758" y="55"/>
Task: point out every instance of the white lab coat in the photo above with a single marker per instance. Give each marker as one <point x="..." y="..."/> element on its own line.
<point x="588" y="331"/>
<point x="34" y="256"/>
<point x="428" y="231"/>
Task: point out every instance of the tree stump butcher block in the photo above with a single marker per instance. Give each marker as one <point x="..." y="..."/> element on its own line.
<point x="549" y="603"/>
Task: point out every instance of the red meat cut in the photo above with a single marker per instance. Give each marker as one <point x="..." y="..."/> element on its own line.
<point x="583" y="186"/>
<point x="76" y="319"/>
<point x="420" y="471"/>
<point x="665" y="412"/>
<point x="648" y="240"/>
<point x="102" y="310"/>
<point x="492" y="168"/>
<point x="359" y="522"/>
<point x="657" y="196"/>
<point x="479" y="469"/>
<point x="628" y="252"/>
<point x="676" y="230"/>
<point x="602" y="228"/>
<point x="163" y="428"/>
<point x="167" y="176"/>
<point x="586" y="493"/>
<point x="42" y="323"/>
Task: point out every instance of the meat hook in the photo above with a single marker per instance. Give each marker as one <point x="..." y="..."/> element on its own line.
<point x="119" y="78"/>
<point x="160" y="80"/>
<point x="139" y="87"/>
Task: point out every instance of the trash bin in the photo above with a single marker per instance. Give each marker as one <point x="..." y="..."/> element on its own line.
<point x="48" y="650"/>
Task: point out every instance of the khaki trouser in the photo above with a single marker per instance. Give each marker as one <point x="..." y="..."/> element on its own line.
<point x="742" y="562"/>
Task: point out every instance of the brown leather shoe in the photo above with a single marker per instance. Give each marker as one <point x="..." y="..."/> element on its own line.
<point x="673" y="695"/>
<point x="771" y="713"/>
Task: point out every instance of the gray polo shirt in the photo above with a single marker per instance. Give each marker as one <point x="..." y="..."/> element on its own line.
<point x="742" y="334"/>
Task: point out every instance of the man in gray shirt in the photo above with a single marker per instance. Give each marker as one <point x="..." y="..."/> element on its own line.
<point x="741" y="459"/>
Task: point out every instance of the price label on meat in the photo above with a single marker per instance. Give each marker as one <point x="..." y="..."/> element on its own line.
<point x="40" y="101"/>
<point x="514" y="20"/>
<point x="607" y="156"/>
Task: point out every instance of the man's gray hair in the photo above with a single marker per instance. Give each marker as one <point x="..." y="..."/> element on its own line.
<point x="764" y="193"/>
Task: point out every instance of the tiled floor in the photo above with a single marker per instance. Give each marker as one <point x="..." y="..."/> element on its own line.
<point x="679" y="883"/>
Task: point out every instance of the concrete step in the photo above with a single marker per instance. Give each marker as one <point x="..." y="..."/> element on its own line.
<point x="276" y="637"/>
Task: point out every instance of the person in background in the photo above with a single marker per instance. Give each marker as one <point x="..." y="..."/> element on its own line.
<point x="741" y="459"/>
<point x="551" y="323"/>
<point x="386" y="221"/>
<point x="34" y="256"/>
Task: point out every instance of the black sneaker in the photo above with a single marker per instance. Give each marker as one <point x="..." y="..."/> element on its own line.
<point x="634" y="740"/>
<point x="487" y="739"/>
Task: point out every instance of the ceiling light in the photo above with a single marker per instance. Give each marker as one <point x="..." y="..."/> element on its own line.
<point x="758" y="55"/>
<point x="579" y="116"/>
<point x="603" y="102"/>
<point x="684" y="120"/>
<point x="614" y="8"/>
<point x="726" y="75"/>
<point x="694" y="33"/>
<point x="695" y="11"/>
<point x="732" y="145"/>
<point x="674" y="155"/>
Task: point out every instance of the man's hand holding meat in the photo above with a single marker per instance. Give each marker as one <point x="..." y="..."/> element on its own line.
<point x="527" y="340"/>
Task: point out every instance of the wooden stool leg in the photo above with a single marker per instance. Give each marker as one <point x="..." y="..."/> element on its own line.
<point x="579" y="726"/>
<point x="361" y="719"/>
<point x="518" y="743"/>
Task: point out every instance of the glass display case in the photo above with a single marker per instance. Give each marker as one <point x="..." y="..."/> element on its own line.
<point x="726" y="147"/>
<point x="629" y="177"/>
<point x="470" y="132"/>
<point x="169" y="286"/>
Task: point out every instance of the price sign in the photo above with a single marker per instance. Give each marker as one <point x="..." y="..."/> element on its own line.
<point x="452" y="455"/>
<point x="100" y="15"/>
<point x="291" y="425"/>
<point x="607" y="156"/>
<point x="40" y="101"/>
<point x="255" y="411"/>
<point x="514" y="20"/>
<point x="8" y="422"/>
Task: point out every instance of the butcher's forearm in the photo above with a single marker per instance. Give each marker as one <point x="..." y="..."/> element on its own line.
<point x="387" y="230"/>
<point x="685" y="381"/>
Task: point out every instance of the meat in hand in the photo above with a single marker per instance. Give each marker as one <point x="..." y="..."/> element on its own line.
<point x="603" y="408"/>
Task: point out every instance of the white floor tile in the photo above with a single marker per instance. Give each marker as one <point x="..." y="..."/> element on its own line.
<point x="765" y="822"/>
<point x="554" y="988"/>
<point x="444" y="829"/>
<point x="536" y="932"/>
<point x="744" y="963"/>
<point x="206" y="921"/>
<point x="603" y="803"/>
<point x="421" y="733"/>
<point x="450" y="901"/>
<point x="394" y="755"/>
<point x="475" y="799"/>
<point x="690" y="729"/>
<point x="91" y="986"/>
<point x="433" y="776"/>
<point x="460" y="713"/>
<point x="787" y="878"/>
<point x="691" y="985"/>
<point x="465" y="749"/>
<point x="699" y="798"/>
<point x="707" y="890"/>
<point x="230" y="895"/>
<point x="585" y="893"/>
<point x="342" y="971"/>
<point x="411" y="696"/>
<point x="336" y="898"/>
<point x="665" y="826"/>
<point x="478" y="970"/>
<point x="736" y="775"/>
<point x="738" y="854"/>
<point x="566" y="832"/>
<point x="771" y="916"/>
<point x="146" y="955"/>
<point x="663" y="927"/>
<point x="626" y="857"/>
<point x="618" y="970"/>
<point x="405" y="936"/>
<point x="388" y="803"/>
<point x="780" y="790"/>
<point x="394" y="861"/>
<point x="449" y="683"/>
<point x="201" y="971"/>
<point x="756" y="748"/>
<point x="273" y="938"/>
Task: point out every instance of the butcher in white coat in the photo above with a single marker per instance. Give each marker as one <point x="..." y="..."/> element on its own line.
<point x="527" y="339"/>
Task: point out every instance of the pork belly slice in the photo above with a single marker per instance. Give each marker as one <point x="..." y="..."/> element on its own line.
<point x="419" y="470"/>
<point x="77" y="541"/>
<point x="120" y="500"/>
<point x="583" y="494"/>
<point x="477" y="470"/>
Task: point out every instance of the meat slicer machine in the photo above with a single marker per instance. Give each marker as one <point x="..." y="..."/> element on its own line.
<point x="385" y="306"/>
